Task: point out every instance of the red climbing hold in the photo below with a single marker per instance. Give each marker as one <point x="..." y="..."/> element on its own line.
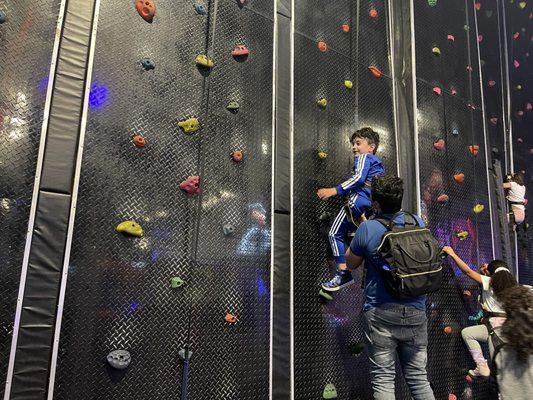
<point x="240" y="51"/>
<point x="191" y="185"/>
<point x="237" y="156"/>
<point x="459" y="178"/>
<point x="492" y="83"/>
<point x="474" y="149"/>
<point x="139" y="141"/>
<point x="345" y="28"/>
<point x="467" y="294"/>
<point x="375" y="71"/>
<point x="230" y="318"/>
<point x="322" y="46"/>
<point x="451" y="396"/>
<point x="373" y="13"/>
<point x="478" y="6"/>
<point x="469" y="379"/>
<point x="146" y="9"/>
<point x="516" y="35"/>
<point x="439" y="145"/>
<point x="437" y="90"/>
<point x="448" y="330"/>
<point x="443" y="198"/>
<point x="451" y="38"/>
<point x="494" y="121"/>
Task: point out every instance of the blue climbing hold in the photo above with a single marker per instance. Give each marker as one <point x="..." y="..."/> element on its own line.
<point x="476" y="317"/>
<point x="147" y="64"/>
<point x="2" y="17"/>
<point x="200" y="9"/>
<point x="455" y="131"/>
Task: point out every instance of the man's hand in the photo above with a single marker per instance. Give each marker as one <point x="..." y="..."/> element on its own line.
<point x="326" y="193"/>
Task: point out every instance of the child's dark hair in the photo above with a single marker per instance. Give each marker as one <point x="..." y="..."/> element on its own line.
<point x="371" y="136"/>
<point x="518" y="327"/>
<point x="387" y="191"/>
<point x="501" y="280"/>
<point x="518" y="178"/>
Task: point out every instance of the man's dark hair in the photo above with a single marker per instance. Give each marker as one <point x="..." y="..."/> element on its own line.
<point x="387" y="191"/>
<point x="371" y="136"/>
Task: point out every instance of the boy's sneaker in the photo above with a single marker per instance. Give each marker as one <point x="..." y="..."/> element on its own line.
<point x="482" y="370"/>
<point x="341" y="279"/>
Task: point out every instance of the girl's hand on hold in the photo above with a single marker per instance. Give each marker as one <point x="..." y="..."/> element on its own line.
<point x="483" y="269"/>
<point x="448" y="250"/>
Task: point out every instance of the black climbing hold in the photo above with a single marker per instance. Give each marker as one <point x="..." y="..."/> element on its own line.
<point x="147" y="64"/>
<point x="200" y="9"/>
<point x="119" y="359"/>
<point x="2" y="17"/>
<point x="357" y="348"/>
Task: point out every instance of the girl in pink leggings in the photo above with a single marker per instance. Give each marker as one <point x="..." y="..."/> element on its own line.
<point x="495" y="279"/>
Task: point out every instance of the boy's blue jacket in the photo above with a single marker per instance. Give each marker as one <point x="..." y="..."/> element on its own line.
<point x="366" y="167"/>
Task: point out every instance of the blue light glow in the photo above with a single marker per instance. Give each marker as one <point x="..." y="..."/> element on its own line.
<point x="99" y="95"/>
<point x="261" y="287"/>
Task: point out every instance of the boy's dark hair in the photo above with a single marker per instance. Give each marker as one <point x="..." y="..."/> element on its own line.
<point x="501" y="280"/>
<point x="371" y="136"/>
<point x="518" y="327"/>
<point x="387" y="191"/>
<point x="518" y="178"/>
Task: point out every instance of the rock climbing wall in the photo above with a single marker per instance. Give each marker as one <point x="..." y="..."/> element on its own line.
<point x="27" y="30"/>
<point x="119" y="293"/>
<point x="453" y="177"/>
<point x="327" y="334"/>
<point x="519" y="36"/>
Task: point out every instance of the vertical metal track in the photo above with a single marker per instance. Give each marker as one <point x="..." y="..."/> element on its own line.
<point x="415" y="109"/>
<point x="394" y="85"/>
<point x="291" y="163"/>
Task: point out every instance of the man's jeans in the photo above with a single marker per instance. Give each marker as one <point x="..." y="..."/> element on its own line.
<point x="395" y="328"/>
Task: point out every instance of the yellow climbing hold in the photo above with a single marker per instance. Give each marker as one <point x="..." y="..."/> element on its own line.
<point x="204" y="61"/>
<point x="522" y="4"/>
<point x="322" y="103"/>
<point x="462" y="235"/>
<point x="130" y="227"/>
<point x="435" y="50"/>
<point x="189" y="125"/>
<point x="348" y="84"/>
<point x="478" y="208"/>
<point x="322" y="155"/>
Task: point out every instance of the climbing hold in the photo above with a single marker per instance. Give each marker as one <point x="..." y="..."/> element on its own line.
<point x="488" y="13"/>
<point x="467" y="294"/>
<point x="329" y="391"/>
<point x="242" y="3"/>
<point x="443" y="198"/>
<point x="228" y="229"/>
<point x="325" y="295"/>
<point x="478" y="6"/>
<point x="529" y="106"/>
<point x="478" y="208"/>
<point x="139" y="141"/>
<point x="473" y="149"/>
<point x="453" y="92"/>
<point x="516" y="64"/>
<point x="467" y="393"/>
<point x="119" y="359"/>
<point x="522" y="4"/>
<point x="240" y="51"/>
<point x="451" y="396"/>
<point x="348" y="84"/>
<point x="479" y="38"/>
<point x="230" y="318"/>
<point x="375" y="71"/>
<point x="176" y="282"/>
<point x="146" y="9"/>
<point x="459" y="178"/>
<point x="130" y="227"/>
<point x="237" y="156"/>
<point x="345" y="28"/>
<point x="461" y="235"/>
<point x="436" y="51"/>
<point x="519" y="140"/>
<point x="482" y="62"/>
<point x="448" y="330"/>
<point x="437" y="90"/>
<point x="432" y="3"/>
<point x="322" y="155"/>
<point x="494" y="120"/>
<point x="492" y="83"/>
<point x="189" y="125"/>
<point x="322" y="46"/>
<point x="469" y="379"/>
<point x="520" y="113"/>
<point x="147" y="64"/>
<point x="439" y="144"/>
<point x="469" y="68"/>
<point x="516" y="35"/>
<point x="451" y="38"/>
<point x="191" y="185"/>
<point x="476" y="317"/>
<point x="357" y="348"/>
<point x="203" y="61"/>
<point x="2" y="17"/>
<point x="373" y="13"/>
<point x="200" y="9"/>
<point x="455" y="131"/>
<point x="322" y="103"/>
<point x="233" y="106"/>
<point x="470" y="105"/>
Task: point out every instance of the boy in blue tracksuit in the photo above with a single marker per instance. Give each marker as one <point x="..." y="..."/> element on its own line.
<point x="367" y="165"/>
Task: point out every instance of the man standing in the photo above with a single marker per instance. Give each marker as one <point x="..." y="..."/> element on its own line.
<point x="392" y="325"/>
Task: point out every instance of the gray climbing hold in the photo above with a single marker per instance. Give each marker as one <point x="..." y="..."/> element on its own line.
<point x="455" y="131"/>
<point x="119" y="359"/>
<point x="2" y="17"/>
<point x="228" y="229"/>
<point x="200" y="9"/>
<point x="147" y="64"/>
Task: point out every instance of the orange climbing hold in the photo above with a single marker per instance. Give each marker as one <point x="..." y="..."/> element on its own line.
<point x="345" y="28"/>
<point x="230" y="318"/>
<point x="373" y="13"/>
<point x="494" y="120"/>
<point x="451" y="396"/>
<point x="139" y="141"/>
<point x="459" y="178"/>
<point x="443" y="198"/>
<point x="375" y="71"/>
<point x="474" y="149"/>
<point x="237" y="156"/>
<point x="448" y="330"/>
<point x="322" y="46"/>
<point x="146" y="9"/>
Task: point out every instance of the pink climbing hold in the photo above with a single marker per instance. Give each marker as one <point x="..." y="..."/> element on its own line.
<point x="437" y="90"/>
<point x="191" y="185"/>
<point x="451" y="38"/>
<point x="453" y="92"/>
<point x="469" y="379"/>
<point x="492" y="83"/>
<point x="478" y="6"/>
<point x="469" y="68"/>
<point x="529" y="106"/>
<point x="519" y="140"/>
<point x="451" y="396"/>
<point x="439" y="145"/>
<point x="516" y="35"/>
<point x="520" y="113"/>
<point x="516" y="64"/>
<point x="467" y="294"/>
<point x="479" y="38"/>
<point x="494" y="120"/>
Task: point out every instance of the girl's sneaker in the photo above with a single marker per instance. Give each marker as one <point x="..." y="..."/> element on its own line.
<point x="482" y="370"/>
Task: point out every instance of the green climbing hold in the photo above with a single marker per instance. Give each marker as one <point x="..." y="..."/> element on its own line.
<point x="176" y="282"/>
<point x="432" y="3"/>
<point x="329" y="391"/>
<point x="325" y="295"/>
<point x="357" y="348"/>
<point x="130" y="227"/>
<point x="189" y="125"/>
<point x="233" y="106"/>
<point x="488" y="13"/>
<point x="522" y="4"/>
<point x="466" y="27"/>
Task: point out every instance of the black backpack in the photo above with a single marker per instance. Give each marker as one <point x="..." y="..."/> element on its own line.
<point x="414" y="256"/>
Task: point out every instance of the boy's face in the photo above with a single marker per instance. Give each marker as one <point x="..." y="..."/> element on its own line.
<point x="361" y="146"/>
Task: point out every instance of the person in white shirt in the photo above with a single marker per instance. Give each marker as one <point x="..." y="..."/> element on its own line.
<point x="496" y="278"/>
<point x="516" y="192"/>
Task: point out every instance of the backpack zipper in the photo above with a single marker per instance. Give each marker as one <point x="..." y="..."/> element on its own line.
<point x="402" y="276"/>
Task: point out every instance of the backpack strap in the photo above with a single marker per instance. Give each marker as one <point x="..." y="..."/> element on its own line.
<point x="389" y="223"/>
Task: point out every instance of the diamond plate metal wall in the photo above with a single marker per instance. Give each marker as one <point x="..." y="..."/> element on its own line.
<point x="118" y="291"/>
<point x="26" y="42"/>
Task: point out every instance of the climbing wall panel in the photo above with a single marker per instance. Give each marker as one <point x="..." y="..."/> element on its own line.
<point x="324" y="332"/>
<point x="118" y="292"/>
<point x="26" y="43"/>
<point x="450" y="126"/>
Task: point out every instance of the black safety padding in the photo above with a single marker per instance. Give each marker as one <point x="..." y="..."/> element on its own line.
<point x="40" y="297"/>
<point x="503" y="240"/>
